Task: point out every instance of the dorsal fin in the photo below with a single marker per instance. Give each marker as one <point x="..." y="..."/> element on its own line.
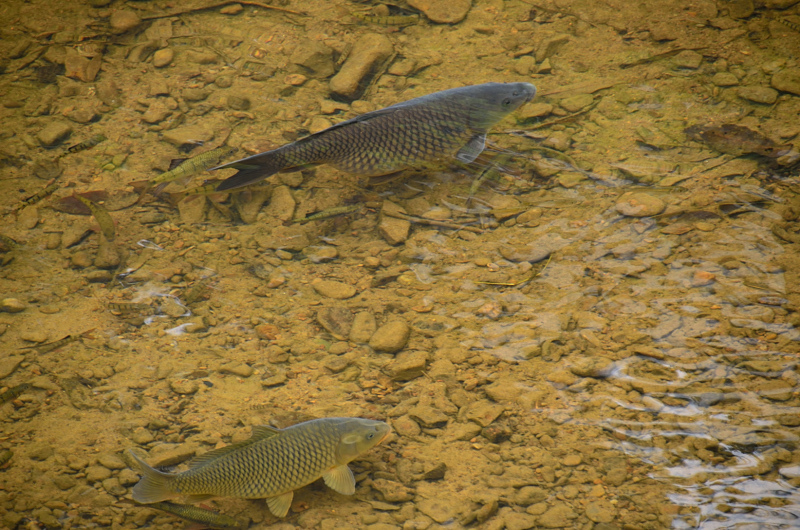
<point x="175" y="162"/>
<point x="260" y="432"/>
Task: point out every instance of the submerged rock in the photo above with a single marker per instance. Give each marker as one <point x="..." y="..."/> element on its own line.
<point x="633" y="204"/>
<point x="368" y="52"/>
<point x="443" y="11"/>
<point x="333" y="289"/>
<point x="391" y="337"/>
<point x="54" y="133"/>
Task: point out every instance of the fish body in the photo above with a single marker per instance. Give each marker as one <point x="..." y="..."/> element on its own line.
<point x="101" y="215"/>
<point x="7" y="244"/>
<point x="207" y="518"/>
<point x="86" y="144"/>
<point x="422" y="133"/>
<point x="13" y="393"/>
<point x="36" y="197"/>
<point x="271" y="464"/>
<point x="51" y="346"/>
<point x="389" y="20"/>
<point x="192" y="166"/>
<point x="736" y="140"/>
<point x="327" y="214"/>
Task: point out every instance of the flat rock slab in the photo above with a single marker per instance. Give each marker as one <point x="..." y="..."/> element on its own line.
<point x="368" y="52"/>
<point x="333" y="289"/>
<point x="443" y="11"/>
<point x="54" y="133"/>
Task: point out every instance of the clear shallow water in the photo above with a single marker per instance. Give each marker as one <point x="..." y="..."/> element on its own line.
<point x="567" y="365"/>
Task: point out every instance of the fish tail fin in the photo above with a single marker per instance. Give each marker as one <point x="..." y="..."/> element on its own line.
<point x="252" y="169"/>
<point x="155" y="486"/>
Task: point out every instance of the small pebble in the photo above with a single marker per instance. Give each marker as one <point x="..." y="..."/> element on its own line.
<point x="123" y="20"/>
<point x="142" y="436"/>
<point x="391" y="337"/>
<point x="295" y="79"/>
<point x="639" y="205"/>
<point x="11" y="305"/>
<point x="232" y="9"/>
<point x="97" y="473"/>
<point x="333" y="289"/>
<point x="184" y="386"/>
<point x="111" y="461"/>
<point x="702" y="278"/>
<point x="34" y="335"/>
<point x="163" y="57"/>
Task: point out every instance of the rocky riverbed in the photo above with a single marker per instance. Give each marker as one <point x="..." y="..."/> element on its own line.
<point x="596" y="327"/>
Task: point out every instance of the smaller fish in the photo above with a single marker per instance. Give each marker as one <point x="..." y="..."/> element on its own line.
<point x="5" y="456"/>
<point x="7" y="243"/>
<point x="208" y="188"/>
<point x="189" y="167"/>
<point x="736" y="140"/>
<point x="51" y="346"/>
<point x="86" y="144"/>
<point x="130" y="308"/>
<point x="146" y="243"/>
<point x="36" y="197"/>
<point x="102" y="217"/>
<point x="13" y="393"/>
<point x="330" y="212"/>
<point x="197" y="290"/>
<point x="391" y="20"/>
<point x="198" y="515"/>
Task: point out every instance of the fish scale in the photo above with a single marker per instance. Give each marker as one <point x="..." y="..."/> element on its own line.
<point x="422" y="133"/>
<point x="271" y="464"/>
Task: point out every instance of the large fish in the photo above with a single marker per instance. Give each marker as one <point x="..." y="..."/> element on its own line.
<point x="421" y="133"/>
<point x="271" y="464"/>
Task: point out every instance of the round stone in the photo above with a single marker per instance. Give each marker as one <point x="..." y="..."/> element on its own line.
<point x="634" y="204"/>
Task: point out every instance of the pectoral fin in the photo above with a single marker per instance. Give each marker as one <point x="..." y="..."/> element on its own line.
<point x="279" y="506"/>
<point x="340" y="479"/>
<point x="474" y="147"/>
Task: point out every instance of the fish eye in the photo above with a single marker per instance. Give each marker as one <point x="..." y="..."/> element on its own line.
<point x="507" y="102"/>
<point x="370" y="436"/>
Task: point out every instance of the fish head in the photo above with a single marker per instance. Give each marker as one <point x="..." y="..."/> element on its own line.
<point x="491" y="102"/>
<point x="358" y="435"/>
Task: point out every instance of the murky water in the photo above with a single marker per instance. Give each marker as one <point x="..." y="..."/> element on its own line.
<point x="596" y="326"/>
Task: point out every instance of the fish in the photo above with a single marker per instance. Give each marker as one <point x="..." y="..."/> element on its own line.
<point x="389" y="20"/>
<point x="271" y="464"/>
<point x="36" y="197"/>
<point x="86" y="144"/>
<point x="101" y="215"/>
<point x="736" y="140"/>
<point x="52" y="346"/>
<point x="421" y="133"/>
<point x="189" y="167"/>
<point x="13" y="393"/>
<point x="197" y="515"/>
<point x="198" y="290"/>
<point x="130" y="308"/>
<point x="327" y="214"/>
<point x="7" y="244"/>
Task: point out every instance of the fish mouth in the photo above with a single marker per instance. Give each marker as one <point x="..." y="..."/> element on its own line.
<point x="385" y="437"/>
